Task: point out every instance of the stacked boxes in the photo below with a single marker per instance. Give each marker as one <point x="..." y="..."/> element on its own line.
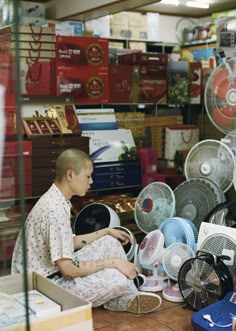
<point x="82" y="69"/>
<point x="37" y="53"/>
<point x="155" y="126"/>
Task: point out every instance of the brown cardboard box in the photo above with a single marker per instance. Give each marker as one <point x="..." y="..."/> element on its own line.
<point x="76" y="313"/>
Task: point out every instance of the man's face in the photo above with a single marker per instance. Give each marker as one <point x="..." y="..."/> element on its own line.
<point x="80" y="183"/>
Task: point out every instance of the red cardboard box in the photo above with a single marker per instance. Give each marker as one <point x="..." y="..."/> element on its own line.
<point x="153" y="84"/>
<point x="74" y="51"/>
<point x="195" y="82"/>
<point x="86" y="86"/>
<point x="143" y="58"/>
<point x="124" y="81"/>
<point x="37" y="77"/>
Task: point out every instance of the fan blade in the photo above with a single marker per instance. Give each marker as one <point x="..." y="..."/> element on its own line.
<point x="223" y="116"/>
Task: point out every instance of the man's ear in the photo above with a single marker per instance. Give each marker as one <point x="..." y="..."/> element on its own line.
<point x="69" y="174"/>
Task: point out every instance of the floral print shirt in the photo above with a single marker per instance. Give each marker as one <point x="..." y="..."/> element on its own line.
<point x="49" y="235"/>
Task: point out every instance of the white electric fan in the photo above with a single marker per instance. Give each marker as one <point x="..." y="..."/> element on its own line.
<point x="150" y="252"/>
<point x="220" y="96"/>
<point x="155" y="203"/>
<point x="211" y="159"/>
<point x="175" y="255"/>
<point x="95" y="216"/>
<point x="195" y="199"/>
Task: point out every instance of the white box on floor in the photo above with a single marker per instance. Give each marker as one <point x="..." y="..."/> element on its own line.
<point x="39" y="303"/>
<point x="76" y="312"/>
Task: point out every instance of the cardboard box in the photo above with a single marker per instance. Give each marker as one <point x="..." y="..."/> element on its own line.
<point x="137" y="58"/>
<point x="32" y="9"/>
<point x="86" y="85"/>
<point x="153" y="83"/>
<point x="74" y="52"/>
<point x="195" y="82"/>
<point x="111" y="145"/>
<point x="76" y="313"/>
<point x="124" y="82"/>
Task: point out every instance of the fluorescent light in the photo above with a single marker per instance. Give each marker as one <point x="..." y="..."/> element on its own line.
<point x="170" y="2"/>
<point x="196" y="4"/>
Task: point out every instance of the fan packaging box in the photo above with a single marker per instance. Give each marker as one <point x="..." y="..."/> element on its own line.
<point x="111" y="145"/>
<point x="75" y="314"/>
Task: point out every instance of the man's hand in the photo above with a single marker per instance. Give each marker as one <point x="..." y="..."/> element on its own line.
<point x="123" y="236"/>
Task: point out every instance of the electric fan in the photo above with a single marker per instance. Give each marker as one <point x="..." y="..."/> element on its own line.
<point x="179" y="230"/>
<point x="223" y="214"/>
<point x="173" y="258"/>
<point x="204" y="279"/>
<point x="95" y="216"/>
<point x="185" y="30"/>
<point x="211" y="159"/>
<point x="196" y="197"/>
<point x="219" y="240"/>
<point x="220" y="96"/>
<point x="150" y="252"/>
<point x="130" y="247"/>
<point x="155" y="203"/>
<point x="230" y="141"/>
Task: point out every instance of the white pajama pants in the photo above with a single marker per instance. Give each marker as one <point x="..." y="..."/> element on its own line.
<point x="108" y="287"/>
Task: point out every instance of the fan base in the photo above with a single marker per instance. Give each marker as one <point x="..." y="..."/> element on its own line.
<point x="154" y="284"/>
<point x="172" y="293"/>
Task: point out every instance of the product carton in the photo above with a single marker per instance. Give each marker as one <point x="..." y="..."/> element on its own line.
<point x="76" y="313"/>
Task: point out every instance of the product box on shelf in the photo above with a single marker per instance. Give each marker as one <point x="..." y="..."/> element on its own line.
<point x="32" y="9"/>
<point x="116" y="174"/>
<point x="119" y="25"/>
<point x="76" y="52"/>
<point x="153" y="84"/>
<point x="70" y="28"/>
<point x="178" y="82"/>
<point x="86" y="85"/>
<point x="96" y="119"/>
<point x="133" y="121"/>
<point x="76" y="313"/>
<point x="111" y="145"/>
<point x="137" y="58"/>
<point x="123" y="80"/>
<point x="195" y="82"/>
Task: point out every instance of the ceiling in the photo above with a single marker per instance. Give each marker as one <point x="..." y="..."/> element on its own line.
<point x="183" y="10"/>
<point x="102" y="10"/>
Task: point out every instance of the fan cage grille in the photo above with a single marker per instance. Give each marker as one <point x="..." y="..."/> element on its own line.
<point x="216" y="244"/>
<point x="199" y="283"/>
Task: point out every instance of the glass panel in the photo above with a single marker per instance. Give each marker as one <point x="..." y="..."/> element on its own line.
<point x="13" y="157"/>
